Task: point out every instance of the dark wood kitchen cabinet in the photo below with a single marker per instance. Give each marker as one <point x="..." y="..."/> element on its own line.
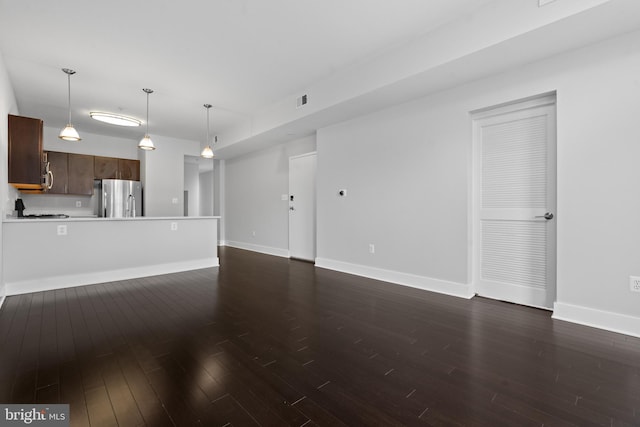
<point x="105" y="167"/>
<point x="72" y="173"/>
<point x="129" y="169"/>
<point x="80" y="174"/>
<point x="58" y="165"/>
<point x="114" y="168"/>
<point x="25" y="152"/>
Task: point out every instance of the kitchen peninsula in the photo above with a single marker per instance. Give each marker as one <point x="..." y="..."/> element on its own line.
<point x="45" y="254"/>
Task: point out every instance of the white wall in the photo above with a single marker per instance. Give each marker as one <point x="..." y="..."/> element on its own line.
<point x="406" y="175"/>
<point x="7" y="194"/>
<point x="162" y="175"/>
<point x="255" y="184"/>
<point x="91" y="144"/>
<point x="407" y="171"/>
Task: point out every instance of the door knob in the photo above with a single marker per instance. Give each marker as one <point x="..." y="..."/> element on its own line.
<point x="546" y="216"/>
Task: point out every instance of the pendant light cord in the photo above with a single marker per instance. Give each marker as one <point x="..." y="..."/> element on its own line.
<point x="68" y="72"/>
<point x="69" y="92"/>
<point x="147" y="113"/>
<point x="208" y="107"/>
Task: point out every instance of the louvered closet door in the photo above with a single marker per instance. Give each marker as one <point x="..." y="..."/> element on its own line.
<point x="515" y="188"/>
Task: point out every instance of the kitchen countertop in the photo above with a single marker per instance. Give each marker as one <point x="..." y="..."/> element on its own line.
<point x="85" y="218"/>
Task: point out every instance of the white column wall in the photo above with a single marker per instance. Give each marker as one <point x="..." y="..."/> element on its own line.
<point x="206" y="193"/>
<point x="192" y="185"/>
<point x="162" y="176"/>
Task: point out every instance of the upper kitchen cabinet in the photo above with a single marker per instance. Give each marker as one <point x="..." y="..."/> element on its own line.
<point x="58" y="165"/>
<point x="25" y="153"/>
<point x="72" y="173"/>
<point x="80" y="174"/>
<point x="129" y="169"/>
<point x="114" y="168"/>
<point x="105" y="167"/>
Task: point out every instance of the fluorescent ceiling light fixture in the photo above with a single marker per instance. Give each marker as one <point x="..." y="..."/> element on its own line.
<point x="115" y="119"/>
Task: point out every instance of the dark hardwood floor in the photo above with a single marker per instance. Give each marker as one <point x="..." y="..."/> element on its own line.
<point x="270" y="341"/>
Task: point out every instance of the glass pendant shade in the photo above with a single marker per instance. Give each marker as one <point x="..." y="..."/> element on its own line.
<point x="146" y="144"/>
<point x="69" y="133"/>
<point x="207" y="153"/>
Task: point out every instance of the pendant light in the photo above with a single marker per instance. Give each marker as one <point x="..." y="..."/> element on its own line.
<point x="69" y="133"/>
<point x="146" y="143"/>
<point x="207" y="153"/>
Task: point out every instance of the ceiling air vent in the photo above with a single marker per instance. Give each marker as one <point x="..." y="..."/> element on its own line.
<point x="302" y="100"/>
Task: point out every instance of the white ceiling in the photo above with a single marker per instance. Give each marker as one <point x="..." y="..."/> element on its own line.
<point x="248" y="58"/>
<point x="239" y="55"/>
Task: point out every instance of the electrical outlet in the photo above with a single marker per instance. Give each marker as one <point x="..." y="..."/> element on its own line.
<point x="62" y="230"/>
<point x="78" y="203"/>
<point x="174" y="200"/>
<point x="372" y="248"/>
<point x="634" y="283"/>
<point x="174" y="226"/>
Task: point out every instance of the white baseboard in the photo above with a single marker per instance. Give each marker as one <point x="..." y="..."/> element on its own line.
<point x="615" y="322"/>
<point x="2" y="301"/>
<point x="69" y="281"/>
<point x="258" y="248"/>
<point x="421" y="282"/>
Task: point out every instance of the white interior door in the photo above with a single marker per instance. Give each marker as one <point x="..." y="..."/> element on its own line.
<point x="515" y="188"/>
<point x="302" y="207"/>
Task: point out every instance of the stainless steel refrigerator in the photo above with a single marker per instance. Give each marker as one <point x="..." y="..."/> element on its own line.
<point x="118" y="198"/>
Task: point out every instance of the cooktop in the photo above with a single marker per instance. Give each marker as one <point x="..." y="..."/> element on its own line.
<point x="46" y="216"/>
